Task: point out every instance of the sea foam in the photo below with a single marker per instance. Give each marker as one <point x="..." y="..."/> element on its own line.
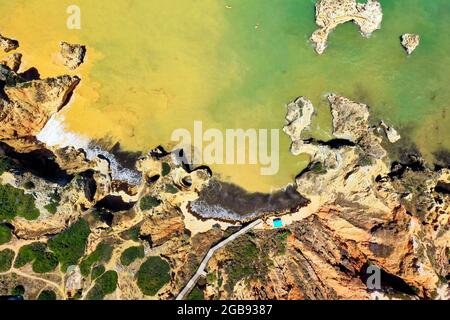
<point x="54" y="134"/>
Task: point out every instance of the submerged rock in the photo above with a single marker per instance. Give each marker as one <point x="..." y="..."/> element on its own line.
<point x="410" y="42"/>
<point x="72" y="54"/>
<point x="7" y="44"/>
<point x="331" y="13"/>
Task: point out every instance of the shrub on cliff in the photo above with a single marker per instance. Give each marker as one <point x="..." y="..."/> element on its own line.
<point x="70" y="245"/>
<point x="5" y="165"/>
<point x="6" y="259"/>
<point x="42" y="260"/>
<point x="18" y="291"/>
<point x="104" y="285"/>
<point x="97" y="272"/>
<point x="47" y="295"/>
<point x="55" y="200"/>
<point x="196" y="295"/>
<point x="165" y="169"/>
<point x="149" y="202"/>
<point x="5" y="234"/>
<point x="14" y="202"/>
<point x="153" y="275"/>
<point x="131" y="254"/>
<point x="102" y="253"/>
<point x="247" y="262"/>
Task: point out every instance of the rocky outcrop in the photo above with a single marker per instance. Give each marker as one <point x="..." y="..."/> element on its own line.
<point x="410" y="42"/>
<point x="298" y="119"/>
<point x="28" y="105"/>
<point x="7" y="44"/>
<point x="331" y="13"/>
<point x="72" y="54"/>
<point x="392" y="134"/>
<point x="13" y="62"/>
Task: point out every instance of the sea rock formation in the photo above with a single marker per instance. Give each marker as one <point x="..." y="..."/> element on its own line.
<point x="331" y="13"/>
<point x="26" y="106"/>
<point x="298" y="119"/>
<point x="392" y="134"/>
<point x="13" y="61"/>
<point x="410" y="42"/>
<point x="72" y="54"/>
<point x="7" y="44"/>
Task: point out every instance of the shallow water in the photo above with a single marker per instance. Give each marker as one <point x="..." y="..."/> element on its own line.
<point x="155" y="66"/>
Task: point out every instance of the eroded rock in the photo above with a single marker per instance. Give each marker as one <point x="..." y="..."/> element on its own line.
<point x="410" y="42"/>
<point x="7" y="44"/>
<point x="72" y="54"/>
<point x="392" y="134"/>
<point x="13" y="62"/>
<point x="298" y="119"/>
<point x="29" y="105"/>
<point x="331" y="13"/>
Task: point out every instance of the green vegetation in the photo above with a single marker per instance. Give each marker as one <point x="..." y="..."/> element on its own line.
<point x="97" y="272"/>
<point x="170" y="188"/>
<point x="318" y="168"/>
<point x="132" y="233"/>
<point x="102" y="253"/>
<point x="51" y="207"/>
<point x="153" y="275"/>
<point x="211" y="278"/>
<point x="18" y="291"/>
<point x="247" y="262"/>
<point x="196" y="294"/>
<point x="165" y="169"/>
<point x="55" y="200"/>
<point x="279" y="241"/>
<point x="149" y="202"/>
<point x="14" y="202"/>
<point x="6" y="259"/>
<point x="47" y="295"/>
<point x="70" y="245"/>
<point x="5" y="234"/>
<point x="43" y="260"/>
<point x="104" y="285"/>
<point x="5" y="165"/>
<point x="131" y="254"/>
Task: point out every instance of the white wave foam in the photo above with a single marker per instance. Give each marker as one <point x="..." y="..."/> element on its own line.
<point x="208" y="211"/>
<point x="54" y="134"/>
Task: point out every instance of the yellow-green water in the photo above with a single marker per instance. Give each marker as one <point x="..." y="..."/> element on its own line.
<point x="156" y="65"/>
